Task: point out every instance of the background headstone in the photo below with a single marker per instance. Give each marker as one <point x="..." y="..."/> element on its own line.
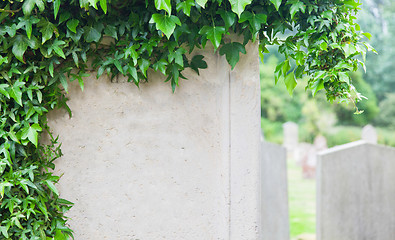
<point x="369" y="134"/>
<point x="275" y="216"/>
<point x="290" y="142"/>
<point x="356" y="193"/>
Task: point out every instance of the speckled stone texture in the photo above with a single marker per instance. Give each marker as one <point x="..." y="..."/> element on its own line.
<point x="148" y="164"/>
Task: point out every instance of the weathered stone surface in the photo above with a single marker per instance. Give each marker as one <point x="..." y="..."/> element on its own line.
<point x="355" y="192"/>
<point x="149" y="164"/>
<point x="275" y="217"/>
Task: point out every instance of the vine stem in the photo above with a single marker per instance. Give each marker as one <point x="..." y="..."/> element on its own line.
<point x="10" y="11"/>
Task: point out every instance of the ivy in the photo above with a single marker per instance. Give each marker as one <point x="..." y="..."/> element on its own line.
<point x="46" y="44"/>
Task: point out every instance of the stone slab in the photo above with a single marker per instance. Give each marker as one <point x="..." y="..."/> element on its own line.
<point x="144" y="163"/>
<point x="355" y="192"/>
<point x="275" y="215"/>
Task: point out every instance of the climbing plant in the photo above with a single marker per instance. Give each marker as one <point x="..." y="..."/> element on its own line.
<point x="45" y="44"/>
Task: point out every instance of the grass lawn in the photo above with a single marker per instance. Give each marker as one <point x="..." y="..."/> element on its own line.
<point x="301" y="201"/>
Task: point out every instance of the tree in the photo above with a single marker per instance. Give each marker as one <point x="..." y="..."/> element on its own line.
<point x="46" y="44"/>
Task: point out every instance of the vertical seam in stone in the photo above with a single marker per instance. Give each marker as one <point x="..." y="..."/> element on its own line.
<point x="230" y="153"/>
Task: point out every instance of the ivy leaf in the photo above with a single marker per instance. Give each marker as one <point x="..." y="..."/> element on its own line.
<point x="214" y="34"/>
<point x="52" y="187"/>
<point x="28" y="6"/>
<point x="276" y="3"/>
<point x="3" y="60"/>
<point x="103" y="5"/>
<point x="91" y="34"/>
<point x="47" y="29"/>
<point x="163" y="5"/>
<point x="232" y="50"/>
<point x="27" y="22"/>
<point x="239" y="5"/>
<point x="72" y="25"/>
<point x="197" y="63"/>
<point x="144" y="65"/>
<point x="56" y="7"/>
<point x="185" y="6"/>
<point x="165" y="23"/>
<point x="255" y="21"/>
<point x="228" y="17"/>
<point x="295" y="7"/>
<point x="201" y="3"/>
<point x="19" y="48"/>
<point x="31" y="133"/>
<point x="111" y="31"/>
<point x="3" y="91"/>
<point x="161" y="66"/>
<point x="290" y="82"/>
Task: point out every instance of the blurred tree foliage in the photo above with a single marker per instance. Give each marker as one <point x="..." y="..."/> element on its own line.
<point x="378" y="18"/>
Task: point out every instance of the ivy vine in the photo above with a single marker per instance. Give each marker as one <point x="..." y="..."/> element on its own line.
<point x="45" y="44"/>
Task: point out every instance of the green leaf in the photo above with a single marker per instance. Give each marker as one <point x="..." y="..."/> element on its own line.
<point x="276" y="3"/>
<point x="3" y="91"/>
<point x="31" y="133"/>
<point x="16" y="93"/>
<point x="214" y="34"/>
<point x="228" y="17"/>
<point x="290" y="82"/>
<point x="163" y="5"/>
<point x="52" y="187"/>
<point x="72" y="25"/>
<point x="63" y="81"/>
<point x="201" y="3"/>
<point x="4" y="231"/>
<point x="349" y="49"/>
<point x="295" y="7"/>
<point x="56" y="7"/>
<point x="28" y="6"/>
<point x="47" y="29"/>
<point x="144" y="65"/>
<point x="19" y="48"/>
<point x="232" y="51"/>
<point x="185" y="6"/>
<point x="91" y="34"/>
<point x="103" y="5"/>
<point x="197" y="63"/>
<point x="161" y="66"/>
<point x="27" y="22"/>
<point x="318" y="85"/>
<point x="165" y="23"/>
<point x="111" y="31"/>
<point x="3" y="60"/>
<point x="343" y="77"/>
<point x="239" y="5"/>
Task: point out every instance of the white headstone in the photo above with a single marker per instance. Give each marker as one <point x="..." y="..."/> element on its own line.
<point x="369" y="134"/>
<point x="290" y="141"/>
<point x="356" y="193"/>
<point x="275" y="217"/>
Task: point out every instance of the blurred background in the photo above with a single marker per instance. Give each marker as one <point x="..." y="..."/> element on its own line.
<point x="333" y="124"/>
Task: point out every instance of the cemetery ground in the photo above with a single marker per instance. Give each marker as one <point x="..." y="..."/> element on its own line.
<point x="301" y="194"/>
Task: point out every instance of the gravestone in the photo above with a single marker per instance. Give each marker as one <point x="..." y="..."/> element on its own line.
<point x="355" y="192"/>
<point x="290" y="134"/>
<point x="369" y="134"/>
<point x="146" y="163"/>
<point x="275" y="217"/>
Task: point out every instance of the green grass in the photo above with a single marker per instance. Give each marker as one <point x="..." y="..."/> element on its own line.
<point x="301" y="201"/>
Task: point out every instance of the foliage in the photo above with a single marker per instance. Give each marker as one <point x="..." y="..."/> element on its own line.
<point x="45" y="44"/>
<point x="386" y="117"/>
<point x="370" y="107"/>
<point x="377" y="16"/>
